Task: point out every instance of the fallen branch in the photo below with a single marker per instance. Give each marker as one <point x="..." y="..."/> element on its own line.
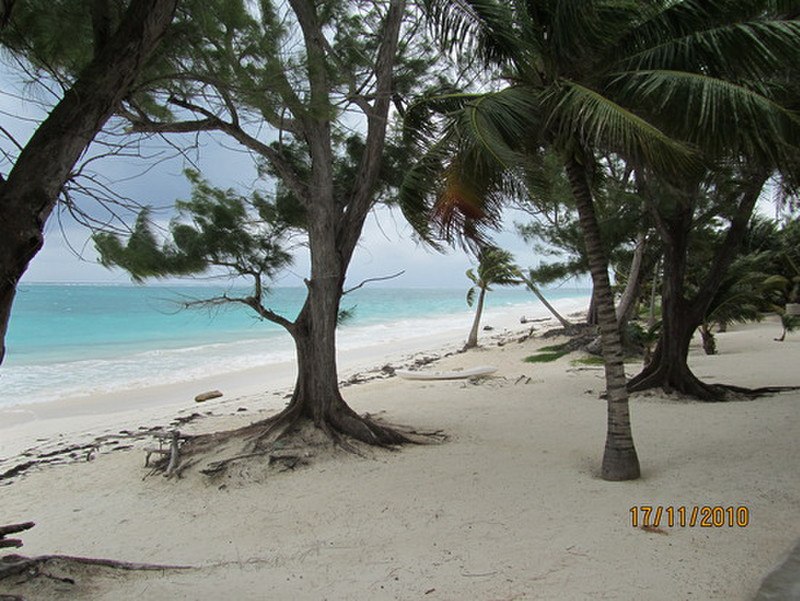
<point x="368" y="280"/>
<point x="13" y="529"/>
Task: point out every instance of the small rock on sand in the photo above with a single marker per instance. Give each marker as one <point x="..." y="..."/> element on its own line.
<point x="205" y="396"/>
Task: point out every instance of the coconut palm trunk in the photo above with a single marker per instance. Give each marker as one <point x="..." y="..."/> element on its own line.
<point x="565" y="323"/>
<point x="620" y="461"/>
<point x="472" y="339"/>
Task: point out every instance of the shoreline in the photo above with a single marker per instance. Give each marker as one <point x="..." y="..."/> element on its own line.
<point x="127" y="367"/>
<point x="21" y="425"/>
<point x="510" y="507"/>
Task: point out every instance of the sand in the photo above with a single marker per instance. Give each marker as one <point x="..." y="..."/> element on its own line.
<point x="510" y="507"/>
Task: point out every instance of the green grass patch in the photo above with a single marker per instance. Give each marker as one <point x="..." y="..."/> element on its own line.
<point x="545" y="357"/>
<point x="588" y="360"/>
<point x="554" y="348"/>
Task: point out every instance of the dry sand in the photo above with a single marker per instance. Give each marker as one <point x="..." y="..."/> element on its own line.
<point x="510" y="507"/>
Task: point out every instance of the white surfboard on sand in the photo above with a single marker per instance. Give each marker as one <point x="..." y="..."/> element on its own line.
<point x="458" y="374"/>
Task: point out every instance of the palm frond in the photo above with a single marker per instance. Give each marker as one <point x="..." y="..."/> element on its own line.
<point x="471" y="291"/>
<point x="750" y="50"/>
<point x="457" y="189"/>
<point x="475" y="27"/>
<point x="719" y="115"/>
<point x="582" y="113"/>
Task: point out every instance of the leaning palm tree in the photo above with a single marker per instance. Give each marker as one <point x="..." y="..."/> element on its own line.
<point x="579" y="78"/>
<point x="530" y="283"/>
<point x="495" y="268"/>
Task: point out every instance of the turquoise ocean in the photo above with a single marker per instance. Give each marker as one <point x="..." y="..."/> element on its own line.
<point x="68" y="340"/>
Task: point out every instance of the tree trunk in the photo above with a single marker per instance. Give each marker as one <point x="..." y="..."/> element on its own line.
<point x="472" y="340"/>
<point x="709" y="341"/>
<point x="535" y="289"/>
<point x="651" y="316"/>
<point x="669" y="368"/>
<point x="29" y="194"/>
<point x="316" y="395"/>
<point x="620" y="461"/>
<point x="591" y="312"/>
<point x="333" y="234"/>
<point x="635" y="277"/>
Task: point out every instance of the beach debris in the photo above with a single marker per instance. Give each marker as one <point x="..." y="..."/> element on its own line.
<point x="207" y="396"/>
<point x="654" y="529"/>
<point x="28" y="568"/>
<point x="13" y="529"/>
<point x="173" y="452"/>
<point x="58" y="453"/>
<point x="179" y="421"/>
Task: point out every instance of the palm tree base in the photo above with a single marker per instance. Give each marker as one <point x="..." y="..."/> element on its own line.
<point x="620" y="464"/>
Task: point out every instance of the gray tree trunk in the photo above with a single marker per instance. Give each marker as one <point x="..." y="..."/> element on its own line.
<point x="333" y="233"/>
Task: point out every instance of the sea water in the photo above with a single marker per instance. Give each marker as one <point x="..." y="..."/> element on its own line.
<point x="77" y="340"/>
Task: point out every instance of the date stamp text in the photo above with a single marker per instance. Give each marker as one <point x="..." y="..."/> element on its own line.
<point x="689" y="516"/>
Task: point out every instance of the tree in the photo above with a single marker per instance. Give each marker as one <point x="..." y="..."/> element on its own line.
<point x="738" y="157"/>
<point x="691" y="291"/>
<point x="741" y="297"/>
<point x="320" y="79"/>
<point x="30" y="191"/>
<point x="495" y="268"/>
<point x="590" y="79"/>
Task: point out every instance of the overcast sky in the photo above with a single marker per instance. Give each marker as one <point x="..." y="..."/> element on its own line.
<point x="387" y="245"/>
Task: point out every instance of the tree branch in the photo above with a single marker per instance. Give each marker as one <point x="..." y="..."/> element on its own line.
<point x="313" y="36"/>
<point x="377" y="122"/>
<point x="214" y="123"/>
<point x="726" y="253"/>
<point x="380" y="279"/>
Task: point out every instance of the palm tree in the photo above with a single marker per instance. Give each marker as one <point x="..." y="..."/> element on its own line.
<point x="582" y="77"/>
<point x="495" y="268"/>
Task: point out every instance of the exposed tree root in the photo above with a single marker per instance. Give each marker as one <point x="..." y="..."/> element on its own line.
<point x="31" y="567"/>
<point x="285" y="441"/>
<point x="60" y="568"/>
<point x="686" y="383"/>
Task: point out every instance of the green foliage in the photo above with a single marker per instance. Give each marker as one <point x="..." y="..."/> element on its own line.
<point x="495" y="268"/>
<point x="245" y="236"/>
<point x="56" y="36"/>
<point x="641" y="337"/>
<point x="545" y="357"/>
<point x="650" y="82"/>
<point x="589" y="360"/>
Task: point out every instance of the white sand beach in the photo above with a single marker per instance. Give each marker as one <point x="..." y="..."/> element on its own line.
<point x="509" y="507"/>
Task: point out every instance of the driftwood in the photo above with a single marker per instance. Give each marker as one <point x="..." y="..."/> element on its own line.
<point x="173" y="452"/>
<point x="13" y="529"/>
<point x="207" y="396"/>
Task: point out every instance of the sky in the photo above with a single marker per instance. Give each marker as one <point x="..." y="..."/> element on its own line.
<point x="387" y="245"/>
